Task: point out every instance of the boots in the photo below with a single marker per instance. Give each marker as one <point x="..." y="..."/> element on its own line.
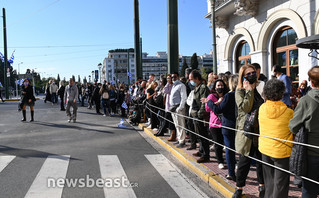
<point x="24" y="112"/>
<point x="32" y="115"/>
<point x="172" y="138"/>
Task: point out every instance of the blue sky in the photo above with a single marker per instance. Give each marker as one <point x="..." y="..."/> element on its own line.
<point x="70" y="37"/>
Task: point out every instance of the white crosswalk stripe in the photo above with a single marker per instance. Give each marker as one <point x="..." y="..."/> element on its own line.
<point x="51" y="179"/>
<point x="54" y="168"/>
<point x="5" y="160"/>
<point x="112" y="169"/>
<point x="173" y="176"/>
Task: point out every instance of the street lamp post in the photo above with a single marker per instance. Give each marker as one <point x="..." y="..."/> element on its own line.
<point x="19" y="67"/>
<point x="213" y="21"/>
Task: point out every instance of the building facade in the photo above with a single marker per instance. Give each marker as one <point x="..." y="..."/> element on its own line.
<point x="265" y="32"/>
<point x="119" y="62"/>
<point x="119" y="66"/>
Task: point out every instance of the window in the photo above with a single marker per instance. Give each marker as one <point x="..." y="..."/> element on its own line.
<point x="242" y="54"/>
<point x="285" y="53"/>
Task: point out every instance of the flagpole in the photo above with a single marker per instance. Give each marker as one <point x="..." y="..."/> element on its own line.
<point x="5" y="79"/>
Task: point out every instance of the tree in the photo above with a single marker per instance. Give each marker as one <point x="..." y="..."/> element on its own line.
<point x="184" y="67"/>
<point x="73" y="77"/>
<point x="58" y="79"/>
<point x="84" y="80"/>
<point x="204" y="72"/>
<point x="194" y="62"/>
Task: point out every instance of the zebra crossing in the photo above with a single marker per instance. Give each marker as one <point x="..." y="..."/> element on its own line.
<point x="52" y="177"/>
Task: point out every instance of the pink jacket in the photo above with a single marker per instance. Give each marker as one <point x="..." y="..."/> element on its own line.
<point x="213" y="118"/>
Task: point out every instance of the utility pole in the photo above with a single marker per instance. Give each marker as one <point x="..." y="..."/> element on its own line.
<point x="137" y="49"/>
<point x="172" y="28"/>
<point x="6" y="84"/>
<point x="214" y="36"/>
<point x="128" y="67"/>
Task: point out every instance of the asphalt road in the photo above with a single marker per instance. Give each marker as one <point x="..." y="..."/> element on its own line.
<point x="94" y="149"/>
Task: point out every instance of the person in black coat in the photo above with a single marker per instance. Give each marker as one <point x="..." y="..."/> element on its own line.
<point x="61" y="94"/>
<point x="27" y="99"/>
<point x="47" y="91"/>
<point x="228" y="108"/>
<point x="97" y="98"/>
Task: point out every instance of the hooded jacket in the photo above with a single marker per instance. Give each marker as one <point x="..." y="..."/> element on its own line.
<point x="214" y="121"/>
<point x="274" y="118"/>
<point x="307" y="114"/>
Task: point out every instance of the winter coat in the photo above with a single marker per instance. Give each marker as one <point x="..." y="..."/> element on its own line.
<point x="307" y="114"/>
<point x="227" y="107"/>
<point x="213" y="119"/>
<point x="244" y="101"/>
<point x="27" y="94"/>
<point x="198" y="108"/>
<point x="298" y="158"/>
<point x="274" y="118"/>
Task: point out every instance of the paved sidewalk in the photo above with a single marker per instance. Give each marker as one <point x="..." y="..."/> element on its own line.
<point x="210" y="173"/>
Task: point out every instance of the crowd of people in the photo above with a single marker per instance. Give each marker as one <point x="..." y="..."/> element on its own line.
<point x="232" y="110"/>
<point x="239" y="111"/>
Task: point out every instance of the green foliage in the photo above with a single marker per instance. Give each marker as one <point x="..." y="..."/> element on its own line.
<point x="184" y="67"/>
<point x="194" y="62"/>
<point x="204" y="72"/>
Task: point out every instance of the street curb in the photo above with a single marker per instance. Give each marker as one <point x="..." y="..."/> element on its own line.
<point x="15" y="99"/>
<point x="215" y="181"/>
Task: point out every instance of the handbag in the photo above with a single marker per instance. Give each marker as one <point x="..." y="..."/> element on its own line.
<point x="251" y="121"/>
<point x="105" y="95"/>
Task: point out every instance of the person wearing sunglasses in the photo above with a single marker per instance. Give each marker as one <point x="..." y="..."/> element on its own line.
<point x="247" y="100"/>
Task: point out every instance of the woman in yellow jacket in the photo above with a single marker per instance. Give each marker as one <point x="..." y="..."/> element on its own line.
<point x="274" y="118"/>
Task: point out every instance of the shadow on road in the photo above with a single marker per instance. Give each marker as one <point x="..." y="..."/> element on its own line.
<point x="72" y="126"/>
<point x="26" y="153"/>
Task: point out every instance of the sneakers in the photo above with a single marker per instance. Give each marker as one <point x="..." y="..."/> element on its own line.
<point x="238" y="193"/>
<point x="221" y="166"/>
<point x="155" y="129"/>
<point x="150" y="126"/>
<point x="212" y="148"/>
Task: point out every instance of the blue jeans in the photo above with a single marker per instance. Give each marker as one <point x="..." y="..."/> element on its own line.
<point x="229" y="140"/>
<point x="54" y="98"/>
<point x="310" y="189"/>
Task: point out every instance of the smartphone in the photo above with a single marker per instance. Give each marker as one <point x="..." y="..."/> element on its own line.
<point x="244" y="79"/>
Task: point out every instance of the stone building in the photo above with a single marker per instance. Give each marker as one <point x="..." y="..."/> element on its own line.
<point x="265" y="32"/>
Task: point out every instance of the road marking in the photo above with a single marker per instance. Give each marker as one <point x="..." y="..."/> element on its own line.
<point x="5" y="160"/>
<point x="54" y="168"/>
<point x="111" y="169"/>
<point x="173" y="176"/>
